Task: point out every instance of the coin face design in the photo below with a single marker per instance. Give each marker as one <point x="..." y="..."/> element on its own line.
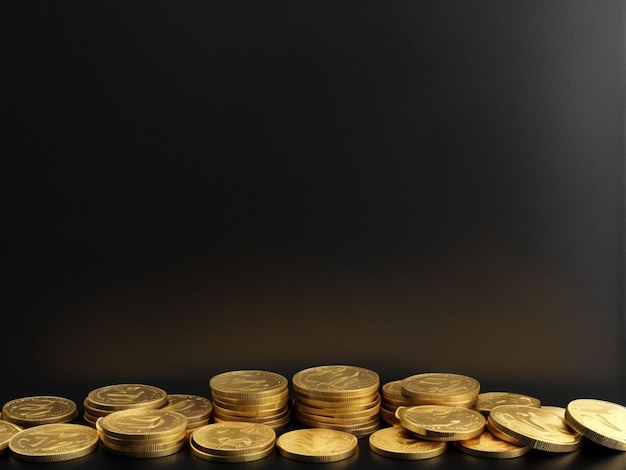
<point x="317" y="445"/>
<point x="489" y="400"/>
<point x="242" y="382"/>
<point x="535" y="426"/>
<point x="7" y="431"/>
<point x="230" y="438"/>
<point x="54" y="442"/>
<point x="39" y="410"/>
<point x="191" y="406"/>
<point x="602" y="421"/>
<point x="398" y="442"/>
<point x="336" y="380"/>
<point x="439" y="385"/>
<point x="442" y="422"/>
<point x="143" y="422"/>
<point x="121" y="396"/>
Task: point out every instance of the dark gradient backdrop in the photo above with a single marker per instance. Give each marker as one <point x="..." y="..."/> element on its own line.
<point x="407" y="186"/>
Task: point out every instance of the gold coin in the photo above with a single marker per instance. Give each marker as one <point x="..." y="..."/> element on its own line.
<point x="440" y="386"/>
<point x="248" y="384"/>
<point x="143" y="446"/>
<point x="335" y="381"/>
<point x="142" y="424"/>
<point x="257" y="400"/>
<point x="488" y="400"/>
<point x="317" y="445"/>
<point x="250" y="413"/>
<point x="535" y="427"/>
<point x="489" y="446"/>
<point x="54" y="442"/>
<point x="193" y="407"/>
<point x="502" y="436"/>
<point x="38" y="410"/>
<point x="557" y="410"/>
<point x="389" y="417"/>
<point x="442" y="423"/>
<point x="400" y="443"/>
<point x="7" y="431"/>
<point x="233" y="438"/>
<point x="600" y="421"/>
<point x="230" y="458"/>
<point x="362" y="401"/>
<point x="148" y="454"/>
<point x="127" y="396"/>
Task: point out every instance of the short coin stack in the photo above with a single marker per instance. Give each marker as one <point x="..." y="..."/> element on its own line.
<point x="38" y="410"/>
<point x="440" y="388"/>
<point x="105" y="400"/>
<point x="143" y="433"/>
<point x="196" y="409"/>
<point x="339" y="397"/>
<point x="232" y="442"/>
<point x="391" y="400"/>
<point x="253" y="396"/>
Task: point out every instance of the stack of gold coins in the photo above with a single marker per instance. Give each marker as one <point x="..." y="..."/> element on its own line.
<point x="196" y="409"/>
<point x="105" y="400"/>
<point x="391" y="400"/>
<point x="442" y="422"/>
<point x="39" y="410"/>
<point x="253" y="396"/>
<point x="339" y="397"/>
<point x="143" y="433"/>
<point x="232" y="442"/>
<point x="57" y="442"/>
<point x="440" y="388"/>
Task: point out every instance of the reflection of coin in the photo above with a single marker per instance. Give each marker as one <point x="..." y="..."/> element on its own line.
<point x="488" y="400"/>
<point x="536" y="427"/>
<point x="399" y="443"/>
<point x="442" y="423"/>
<point x="336" y="381"/>
<point x="440" y="387"/>
<point x="317" y="445"/>
<point x="7" y="431"/>
<point x="600" y="421"/>
<point x="232" y="438"/>
<point x="54" y="442"/>
<point x="489" y="446"/>
<point x="33" y="411"/>
<point x="126" y="396"/>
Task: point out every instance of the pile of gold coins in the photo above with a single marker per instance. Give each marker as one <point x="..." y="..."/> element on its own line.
<point x="252" y="396"/>
<point x="105" y="400"/>
<point x="338" y="397"/>
<point x="143" y="433"/>
<point x="232" y="442"/>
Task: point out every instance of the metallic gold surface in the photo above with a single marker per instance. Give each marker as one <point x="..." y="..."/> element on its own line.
<point x="336" y="381"/>
<point x="600" y="421"/>
<point x="142" y="424"/>
<point x="389" y="417"/>
<point x="502" y="436"/>
<point x="317" y="445"/>
<point x="7" y="431"/>
<point x="362" y="401"/>
<point x="230" y="458"/>
<point x="231" y="439"/>
<point x="400" y="443"/>
<point x="557" y="410"/>
<point x="536" y="427"/>
<point x="489" y="446"/>
<point x="127" y="396"/>
<point x="488" y="400"/>
<point x="440" y="386"/>
<point x="442" y="423"/>
<point x="148" y="454"/>
<point x="248" y="383"/>
<point x="38" y="410"/>
<point x="193" y="407"/>
<point x="53" y="442"/>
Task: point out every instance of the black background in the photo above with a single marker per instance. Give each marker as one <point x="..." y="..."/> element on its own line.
<point x="415" y="186"/>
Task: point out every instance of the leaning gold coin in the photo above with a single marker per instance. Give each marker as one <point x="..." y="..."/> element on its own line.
<point x="54" y="442"/>
<point x="317" y="445"/>
<point x="38" y="410"/>
<point x="488" y="446"/>
<point x="442" y="423"/>
<point x="400" y="443"/>
<point x="600" y="421"/>
<point x="7" y="431"/>
<point x="489" y="400"/>
<point x="336" y="381"/>
<point x="536" y="427"/>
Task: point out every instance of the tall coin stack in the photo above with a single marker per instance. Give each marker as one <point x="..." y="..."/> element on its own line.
<point x="391" y="400"/>
<point x="339" y="397"/>
<point x="253" y="396"/>
<point x="439" y="388"/>
<point x="105" y="400"/>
